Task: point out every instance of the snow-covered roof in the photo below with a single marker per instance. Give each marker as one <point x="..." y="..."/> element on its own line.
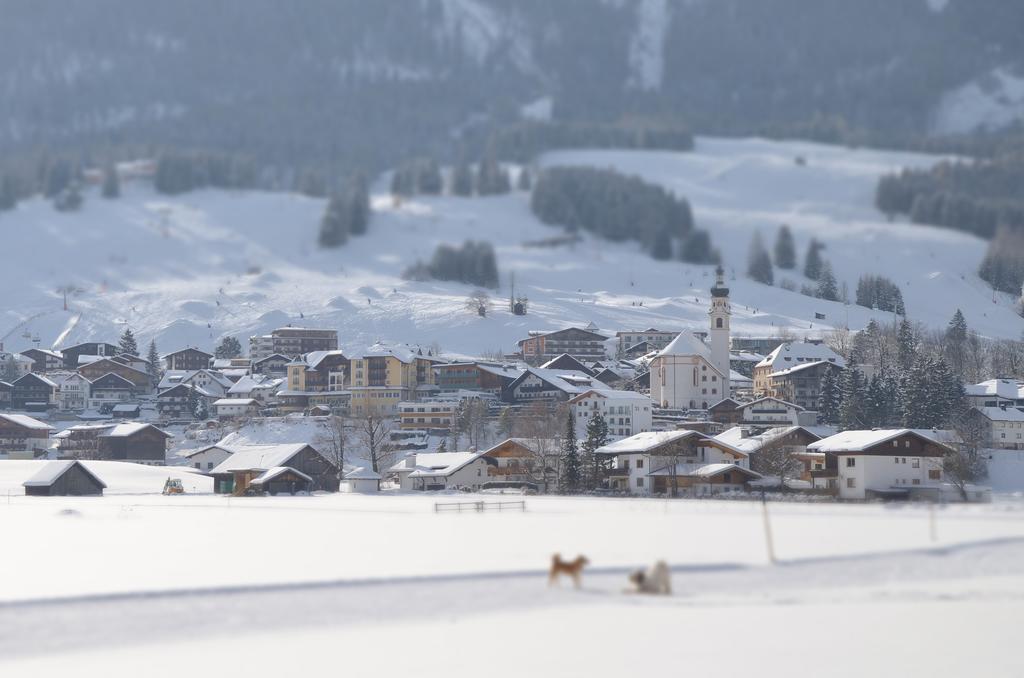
<point x="773" y="399"/>
<point x="645" y="442"/>
<point x="858" y="441"/>
<point x="1002" y="388"/>
<point x="272" y="473"/>
<point x="739" y="378"/>
<point x="362" y="473"/>
<point x="440" y="464"/>
<point x="510" y="371"/>
<point x="1001" y="414"/>
<point x="612" y="394"/>
<point x="52" y="470"/>
<point x="567" y="381"/>
<point x="187" y="348"/>
<point x="235" y="401"/>
<point x="125" y="407"/>
<point x="793" y="352"/>
<point x="748" y="444"/>
<point x="686" y="343"/>
<point x="797" y="368"/>
<point x="247" y="457"/>
<point x="129" y="429"/>
<point x="114" y="376"/>
<point x="703" y="470"/>
<point x="404" y="355"/>
<point x="206" y="449"/>
<point x="35" y="375"/>
<point x="26" y="421"/>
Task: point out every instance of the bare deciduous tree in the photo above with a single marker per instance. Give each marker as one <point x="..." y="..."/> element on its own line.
<point x="479" y="302"/>
<point x="775" y="459"/>
<point x="374" y="432"/>
<point x="332" y="441"/>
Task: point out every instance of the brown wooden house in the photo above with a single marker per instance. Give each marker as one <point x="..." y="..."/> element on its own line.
<point x="188" y="359"/>
<point x="142" y="380"/>
<point x="43" y="360"/>
<point x="236" y="474"/>
<point x="71" y="354"/>
<point x="23" y="436"/>
<point x="131" y="441"/>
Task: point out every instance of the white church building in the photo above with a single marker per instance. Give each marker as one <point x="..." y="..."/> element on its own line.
<point x="692" y="374"/>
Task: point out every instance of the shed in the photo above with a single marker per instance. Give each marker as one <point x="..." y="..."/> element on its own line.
<point x="63" y="478"/>
<point x="363" y="479"/>
<point x="282" y="480"/>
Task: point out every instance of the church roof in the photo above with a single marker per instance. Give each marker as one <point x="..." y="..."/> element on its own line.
<point x="686" y="343"/>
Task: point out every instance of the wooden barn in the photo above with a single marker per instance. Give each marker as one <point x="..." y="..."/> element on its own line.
<point x="236" y="474"/>
<point x="63" y="479"/>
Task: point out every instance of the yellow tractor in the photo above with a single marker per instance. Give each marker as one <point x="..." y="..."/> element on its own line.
<point x="174" y="486"/>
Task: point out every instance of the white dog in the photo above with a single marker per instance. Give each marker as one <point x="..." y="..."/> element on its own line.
<point x="655" y="579"/>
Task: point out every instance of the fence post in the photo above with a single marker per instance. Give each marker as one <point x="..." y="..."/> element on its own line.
<point x="769" y="544"/>
<point x="932" y="526"/>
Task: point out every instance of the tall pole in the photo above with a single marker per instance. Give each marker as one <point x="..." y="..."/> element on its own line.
<point x="768" y="541"/>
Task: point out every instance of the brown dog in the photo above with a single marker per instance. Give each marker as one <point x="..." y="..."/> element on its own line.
<point x="573" y="568"/>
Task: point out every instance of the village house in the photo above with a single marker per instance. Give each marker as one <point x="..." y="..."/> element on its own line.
<point x="1003" y="393"/>
<point x="275" y="365"/>
<point x="442" y="471"/>
<point x="1003" y="426"/>
<point x="73" y="391"/>
<point x="537" y="384"/>
<point x="136" y="442"/>
<point x="651" y="339"/>
<point x="109" y="390"/>
<point x="428" y="414"/>
<point x="68" y="478"/>
<point x="317" y="378"/>
<point x="188" y="358"/>
<point x="682" y="375"/>
<point x="292" y="341"/>
<point x="44" y="360"/>
<point x="773" y="375"/>
<point x="236" y="408"/>
<point x="136" y="362"/>
<point x="22" y="364"/>
<point x="789" y="440"/>
<point x="259" y="464"/>
<point x="22" y="437"/>
<point x="141" y="380"/>
<point x="33" y="393"/>
<point x="475" y="376"/>
<point x="586" y="344"/>
<point x="568" y="362"/>
<point x="625" y="413"/>
<point x="180" y="401"/>
<point x="659" y="461"/>
<point x="523" y="462"/>
<point x="385" y="376"/>
<point x="801" y="384"/>
<point x="884" y="463"/>
<point x="80" y="354"/>
<point x="207" y="458"/>
<point x="774" y="412"/>
<point x="727" y="411"/>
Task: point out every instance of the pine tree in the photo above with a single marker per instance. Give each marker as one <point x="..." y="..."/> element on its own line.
<point x="852" y="389"/>
<point x="202" y="410"/>
<point x="827" y="287"/>
<point x="812" y="262"/>
<point x="829" y="399"/>
<point x="593" y="466"/>
<point x="917" y="405"/>
<point x="229" y="347"/>
<point x="462" y="179"/>
<point x="111" y="182"/>
<point x="359" y="205"/>
<point x="956" y="342"/>
<point x="661" y="248"/>
<point x="127" y="343"/>
<point x="153" y="356"/>
<point x="759" y="264"/>
<point x="192" y="401"/>
<point x="785" y="250"/>
<point x="334" y="226"/>
<point x="906" y="344"/>
<point x="569" y="479"/>
<point x="697" y="248"/>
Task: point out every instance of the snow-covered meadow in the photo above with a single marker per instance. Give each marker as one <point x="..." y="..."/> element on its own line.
<point x="188" y="269"/>
<point x="367" y="582"/>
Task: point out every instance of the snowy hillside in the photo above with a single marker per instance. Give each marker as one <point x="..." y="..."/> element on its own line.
<point x="192" y="268"/>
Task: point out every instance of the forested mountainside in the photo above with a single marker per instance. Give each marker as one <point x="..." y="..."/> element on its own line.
<point x="349" y="83"/>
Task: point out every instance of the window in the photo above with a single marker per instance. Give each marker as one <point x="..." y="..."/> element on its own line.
<point x="851" y="483"/>
<point x="917" y="481"/>
<point x="851" y="462"/>
<point x="934" y="474"/>
<point x="915" y="463"/>
<point x="718" y="323"/>
<point x="639" y="463"/>
<point x="896" y="459"/>
<point x="209" y="464"/>
<point x="639" y="482"/>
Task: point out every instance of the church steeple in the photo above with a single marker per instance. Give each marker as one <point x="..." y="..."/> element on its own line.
<point x="719" y="316"/>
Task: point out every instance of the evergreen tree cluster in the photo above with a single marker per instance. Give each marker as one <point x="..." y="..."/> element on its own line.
<point x="417" y="176"/>
<point x="697" y="248"/>
<point x="229" y="347"/>
<point x="613" y="205"/>
<point x="876" y="291"/>
<point x="976" y="197"/>
<point x="785" y="249"/>
<point x="1003" y="265"/>
<point x="347" y="213"/>
<point x="474" y="263"/>
<point x="759" y="263"/>
<point x="180" y="172"/>
<point x="127" y="343"/>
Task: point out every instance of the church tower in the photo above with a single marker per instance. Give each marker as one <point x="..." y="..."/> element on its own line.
<point x="719" y="314"/>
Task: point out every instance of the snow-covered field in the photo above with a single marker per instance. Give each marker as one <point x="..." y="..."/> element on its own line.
<point x="191" y="268"/>
<point x="382" y="585"/>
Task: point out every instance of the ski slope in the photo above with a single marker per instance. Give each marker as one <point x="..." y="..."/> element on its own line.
<point x="190" y="269"/>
